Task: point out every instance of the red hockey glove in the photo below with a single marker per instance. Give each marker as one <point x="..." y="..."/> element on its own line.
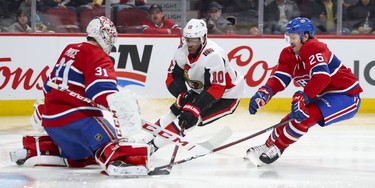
<point x="260" y="98"/>
<point x="299" y="111"/>
<point x="189" y="116"/>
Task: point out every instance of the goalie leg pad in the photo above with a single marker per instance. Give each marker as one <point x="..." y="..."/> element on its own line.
<point x="120" y="158"/>
<point x="37" y="151"/>
<point x="81" y="163"/>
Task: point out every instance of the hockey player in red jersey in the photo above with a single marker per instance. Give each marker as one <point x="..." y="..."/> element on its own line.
<point x="78" y="134"/>
<point x="330" y="90"/>
<point x="206" y="87"/>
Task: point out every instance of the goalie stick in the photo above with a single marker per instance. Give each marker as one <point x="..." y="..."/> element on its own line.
<point x="154" y="129"/>
<point x="162" y="170"/>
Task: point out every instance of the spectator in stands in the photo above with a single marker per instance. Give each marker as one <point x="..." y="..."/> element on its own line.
<point x="8" y="12"/>
<point x="46" y="4"/>
<point x="323" y="14"/>
<point x="21" y="24"/>
<point x="25" y="6"/>
<point x="348" y="3"/>
<point x="253" y="30"/>
<point x="277" y="15"/>
<point x="83" y="4"/>
<point x="157" y="23"/>
<point x="361" y="17"/>
<point x="216" y="23"/>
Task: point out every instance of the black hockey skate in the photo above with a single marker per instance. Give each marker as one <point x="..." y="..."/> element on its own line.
<point x="271" y="155"/>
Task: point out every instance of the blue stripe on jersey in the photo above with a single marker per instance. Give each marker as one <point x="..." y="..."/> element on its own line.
<point x="46" y="88"/>
<point x="76" y="76"/>
<point x="334" y="65"/>
<point x="100" y="86"/>
<point x="283" y="78"/>
<point x="321" y="68"/>
<point x="73" y="75"/>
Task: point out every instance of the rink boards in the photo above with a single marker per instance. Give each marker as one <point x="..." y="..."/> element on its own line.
<point x="142" y="61"/>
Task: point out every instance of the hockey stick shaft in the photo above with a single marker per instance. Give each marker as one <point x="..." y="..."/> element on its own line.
<point x="225" y="146"/>
<point x="89" y="101"/>
<point x="151" y="128"/>
<point x="174" y="153"/>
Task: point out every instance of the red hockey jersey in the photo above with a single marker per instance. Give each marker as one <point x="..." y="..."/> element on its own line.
<point x="316" y="69"/>
<point x="83" y="68"/>
<point x="151" y="28"/>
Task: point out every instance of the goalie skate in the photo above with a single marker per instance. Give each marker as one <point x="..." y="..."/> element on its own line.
<point x="19" y="156"/>
<point x="119" y="168"/>
<point x="253" y="154"/>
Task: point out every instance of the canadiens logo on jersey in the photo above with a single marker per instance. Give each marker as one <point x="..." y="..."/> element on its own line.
<point x="301" y="78"/>
<point x="194" y="84"/>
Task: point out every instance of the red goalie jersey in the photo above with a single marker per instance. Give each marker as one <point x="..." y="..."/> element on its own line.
<point x="316" y="69"/>
<point x="83" y="68"/>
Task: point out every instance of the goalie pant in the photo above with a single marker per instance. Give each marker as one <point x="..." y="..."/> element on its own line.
<point x="67" y="146"/>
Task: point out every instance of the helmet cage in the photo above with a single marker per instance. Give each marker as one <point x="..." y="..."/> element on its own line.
<point x="103" y="31"/>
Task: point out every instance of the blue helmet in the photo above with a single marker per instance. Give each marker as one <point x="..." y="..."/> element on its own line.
<point x="300" y="25"/>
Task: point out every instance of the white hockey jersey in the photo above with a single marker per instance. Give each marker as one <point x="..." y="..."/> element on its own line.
<point x="211" y="67"/>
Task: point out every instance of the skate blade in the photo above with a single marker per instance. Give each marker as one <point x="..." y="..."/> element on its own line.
<point x="254" y="160"/>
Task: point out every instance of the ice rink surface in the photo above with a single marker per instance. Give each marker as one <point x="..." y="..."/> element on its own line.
<point x="341" y="155"/>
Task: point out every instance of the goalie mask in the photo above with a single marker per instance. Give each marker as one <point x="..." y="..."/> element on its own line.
<point x="196" y="28"/>
<point x="103" y="31"/>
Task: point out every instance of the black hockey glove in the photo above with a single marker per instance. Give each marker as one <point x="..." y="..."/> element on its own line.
<point x="182" y="99"/>
<point x="189" y="116"/>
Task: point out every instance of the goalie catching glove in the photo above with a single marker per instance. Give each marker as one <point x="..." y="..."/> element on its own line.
<point x="36" y="118"/>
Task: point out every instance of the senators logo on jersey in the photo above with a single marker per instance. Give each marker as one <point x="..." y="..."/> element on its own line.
<point x="194" y="84"/>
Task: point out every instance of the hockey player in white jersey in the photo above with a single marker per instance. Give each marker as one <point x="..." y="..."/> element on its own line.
<point x="206" y="87"/>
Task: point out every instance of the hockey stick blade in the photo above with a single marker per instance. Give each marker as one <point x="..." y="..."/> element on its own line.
<point x="161" y="168"/>
<point x="159" y="172"/>
<point x="210" y="144"/>
<point x="182" y="142"/>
